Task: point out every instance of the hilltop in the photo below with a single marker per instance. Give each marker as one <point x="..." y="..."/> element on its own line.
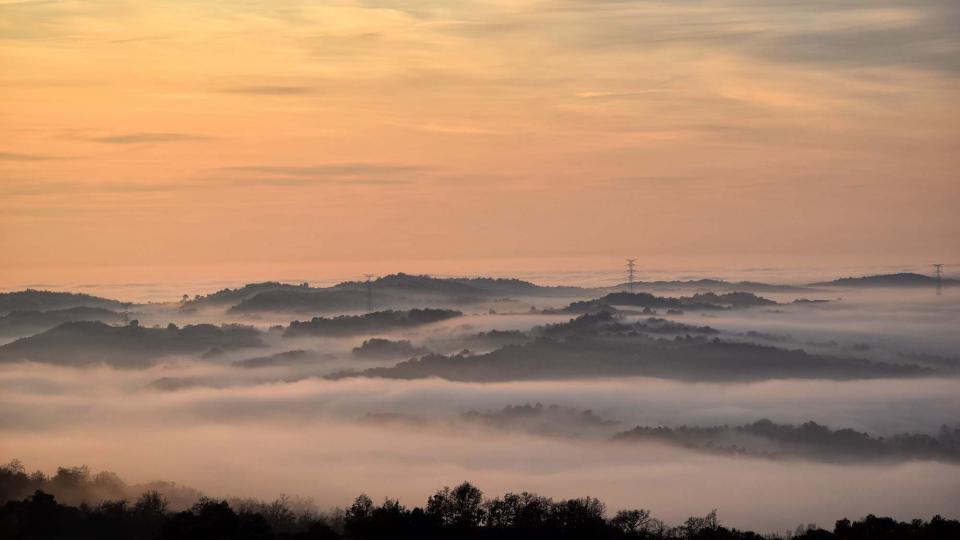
<point x="708" y="284"/>
<point x="809" y="440"/>
<point x="902" y="279"/>
<point x="699" y="301"/>
<point x="88" y="342"/>
<point x="396" y="291"/>
<point x="25" y="322"/>
<point x="378" y="321"/>
<point x="600" y="345"/>
<point x="36" y="300"/>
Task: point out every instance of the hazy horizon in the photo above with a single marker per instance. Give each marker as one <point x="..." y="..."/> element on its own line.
<point x="169" y="284"/>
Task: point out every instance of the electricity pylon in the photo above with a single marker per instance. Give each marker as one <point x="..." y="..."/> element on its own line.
<point x="939" y="268"/>
<point x="369" y="292"/>
<point x="631" y="273"/>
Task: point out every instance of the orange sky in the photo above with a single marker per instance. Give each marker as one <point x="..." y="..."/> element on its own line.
<point x="151" y="134"/>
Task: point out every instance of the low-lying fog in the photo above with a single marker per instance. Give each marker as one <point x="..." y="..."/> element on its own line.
<point x="311" y="438"/>
<point x="264" y="427"/>
<point x="888" y="320"/>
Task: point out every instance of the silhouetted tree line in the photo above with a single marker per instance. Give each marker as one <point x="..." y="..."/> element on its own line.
<point x="32" y="299"/>
<point x="699" y="301"/>
<point x="601" y="345"/>
<point x="75" y="485"/>
<point x="610" y="324"/>
<point x="346" y="325"/>
<point x="543" y="419"/>
<point x="461" y="512"/>
<point x="20" y="323"/>
<point x="379" y="348"/>
<point x="768" y="439"/>
<point x="133" y="345"/>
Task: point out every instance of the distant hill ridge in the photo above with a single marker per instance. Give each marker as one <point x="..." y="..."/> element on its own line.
<point x="37" y="300"/>
<point x="902" y="279"/>
<point x="699" y="301"/>
<point x="400" y="291"/>
<point x="377" y="321"/>
<point x="598" y="345"/>
<point x="23" y="322"/>
<point x="477" y="286"/>
<point x="91" y="342"/>
<point x="810" y="440"/>
<point x="404" y="291"/>
<point x="710" y="284"/>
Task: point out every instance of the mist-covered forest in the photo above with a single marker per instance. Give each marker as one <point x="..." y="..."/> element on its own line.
<point x="522" y="269"/>
<point x="462" y="511"/>
<point x="774" y="403"/>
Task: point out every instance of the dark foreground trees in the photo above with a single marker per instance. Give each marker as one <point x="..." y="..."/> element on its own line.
<point x="458" y="513"/>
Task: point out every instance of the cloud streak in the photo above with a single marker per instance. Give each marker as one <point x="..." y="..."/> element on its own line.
<point x="267" y="90"/>
<point x="16" y="156"/>
<point x="148" y="138"/>
<point x="238" y="177"/>
<point x="335" y="173"/>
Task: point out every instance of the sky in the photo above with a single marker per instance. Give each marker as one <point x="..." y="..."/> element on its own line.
<point x="143" y="139"/>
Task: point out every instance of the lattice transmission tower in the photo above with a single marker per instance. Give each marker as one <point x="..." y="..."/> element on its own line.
<point x="939" y="268"/>
<point x="631" y="273"/>
<point x="369" y="292"/>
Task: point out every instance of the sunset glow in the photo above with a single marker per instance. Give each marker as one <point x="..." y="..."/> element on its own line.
<point x="146" y="133"/>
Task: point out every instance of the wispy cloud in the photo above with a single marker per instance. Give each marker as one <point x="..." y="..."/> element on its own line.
<point x="344" y="173"/>
<point x="147" y="137"/>
<point x="16" y="156"/>
<point x="236" y="177"/>
<point x="651" y="182"/>
<point x="270" y="90"/>
<point x="842" y="33"/>
<point x="37" y="187"/>
<point x="625" y="94"/>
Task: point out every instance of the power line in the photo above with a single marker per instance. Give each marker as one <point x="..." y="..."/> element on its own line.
<point x="369" y="292"/>
<point x="939" y="268"/>
<point x="631" y="273"/>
